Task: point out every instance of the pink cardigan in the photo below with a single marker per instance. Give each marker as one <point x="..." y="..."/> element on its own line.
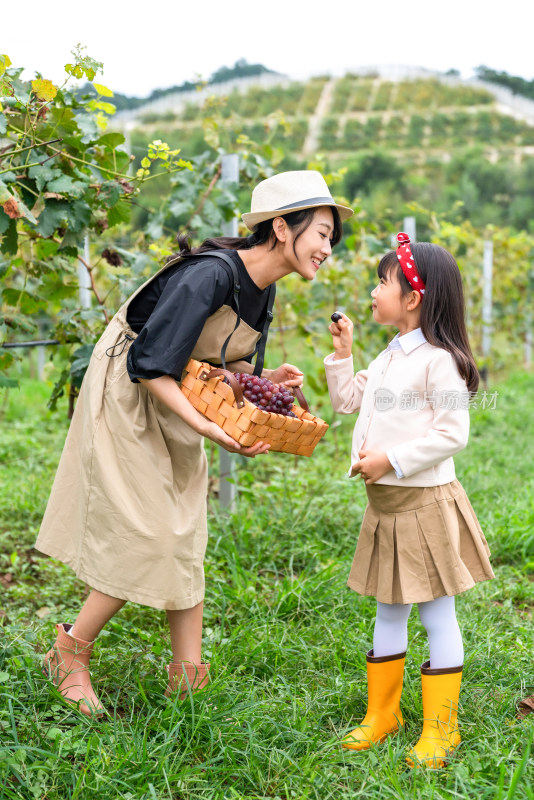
<point x="412" y="403"/>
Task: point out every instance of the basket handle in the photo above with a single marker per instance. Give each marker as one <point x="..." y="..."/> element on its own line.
<point x="237" y="390"/>
<point x="234" y="383"/>
<point x="300" y="397"/>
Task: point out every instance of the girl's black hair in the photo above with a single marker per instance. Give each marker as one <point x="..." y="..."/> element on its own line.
<point x="443" y="307"/>
<point x="263" y="233"/>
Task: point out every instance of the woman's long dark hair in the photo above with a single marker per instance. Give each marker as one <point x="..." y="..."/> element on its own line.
<point x="442" y="308"/>
<point x="298" y="221"/>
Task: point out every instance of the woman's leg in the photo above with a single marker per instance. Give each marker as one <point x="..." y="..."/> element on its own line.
<point x="67" y="663"/>
<point x="444" y="637"/>
<point x="186" y="634"/>
<point x="97" y="610"/>
<point x="391" y="629"/>
<point x="186" y="671"/>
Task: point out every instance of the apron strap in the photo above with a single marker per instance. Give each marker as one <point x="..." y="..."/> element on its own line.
<point x="260" y="347"/>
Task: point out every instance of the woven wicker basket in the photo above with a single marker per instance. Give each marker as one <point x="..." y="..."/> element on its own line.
<point x="242" y="420"/>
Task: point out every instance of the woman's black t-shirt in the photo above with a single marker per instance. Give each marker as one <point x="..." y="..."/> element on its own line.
<point x="169" y="313"/>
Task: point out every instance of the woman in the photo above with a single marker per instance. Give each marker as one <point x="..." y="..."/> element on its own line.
<point x="128" y="506"/>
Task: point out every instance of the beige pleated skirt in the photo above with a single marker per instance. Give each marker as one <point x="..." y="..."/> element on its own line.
<point x="418" y="543"/>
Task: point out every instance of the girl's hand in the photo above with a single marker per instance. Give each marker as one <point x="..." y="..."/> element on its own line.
<point x="217" y="435"/>
<point x="371" y="466"/>
<point x="288" y="374"/>
<point x="342" y="332"/>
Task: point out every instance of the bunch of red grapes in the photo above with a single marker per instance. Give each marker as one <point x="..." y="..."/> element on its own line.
<point x="266" y="395"/>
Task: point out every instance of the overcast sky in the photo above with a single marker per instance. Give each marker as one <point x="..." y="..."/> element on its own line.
<point x="151" y="45"/>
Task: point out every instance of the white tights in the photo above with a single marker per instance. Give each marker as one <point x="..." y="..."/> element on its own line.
<point x="439" y="619"/>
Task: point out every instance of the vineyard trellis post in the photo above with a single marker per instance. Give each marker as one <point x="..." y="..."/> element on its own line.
<point x="84" y="279"/>
<point x="227" y="486"/>
<point x="487" y="296"/>
<point x="409" y="227"/>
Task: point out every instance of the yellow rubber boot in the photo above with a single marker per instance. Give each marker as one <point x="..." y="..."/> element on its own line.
<point x="440" y="736"/>
<point x="384" y="688"/>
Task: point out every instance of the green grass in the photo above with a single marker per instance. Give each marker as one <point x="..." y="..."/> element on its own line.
<point x="285" y="637"/>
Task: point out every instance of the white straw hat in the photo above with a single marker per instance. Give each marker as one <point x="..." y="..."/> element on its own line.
<point x="290" y="191"/>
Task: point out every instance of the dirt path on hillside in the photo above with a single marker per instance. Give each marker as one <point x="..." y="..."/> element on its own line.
<point x="314" y="126"/>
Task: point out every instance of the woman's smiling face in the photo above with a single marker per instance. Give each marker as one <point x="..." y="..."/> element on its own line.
<point x="307" y="252"/>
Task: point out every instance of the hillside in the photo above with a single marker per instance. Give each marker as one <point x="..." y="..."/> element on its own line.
<point x="431" y="140"/>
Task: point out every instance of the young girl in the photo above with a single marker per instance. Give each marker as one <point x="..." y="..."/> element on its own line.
<point x="420" y="541"/>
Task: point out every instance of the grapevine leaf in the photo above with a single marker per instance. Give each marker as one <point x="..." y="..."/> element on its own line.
<point x="111" y="139"/>
<point x="79" y="216"/>
<point x="43" y="174"/>
<point x="54" y="215"/>
<point x="80" y="362"/>
<point x="103" y="90"/>
<point x="6" y="359"/>
<point x="100" y="105"/>
<point x="120" y="212"/>
<point x="69" y="244"/>
<point x="3" y="124"/>
<point x="74" y="69"/>
<point x="87" y="126"/>
<point x="66" y="185"/>
<point x="10" y="238"/>
<point x="44" y="90"/>
<point x="4" y="222"/>
<point x="57" y="391"/>
<point x="27" y="303"/>
<point x="110" y="193"/>
<point x="5" y="62"/>
<point x="5" y="194"/>
<point x="8" y="383"/>
<point x="25" y="212"/>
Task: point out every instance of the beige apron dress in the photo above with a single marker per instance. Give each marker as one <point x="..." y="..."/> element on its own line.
<point x="127" y="509"/>
<point x="418" y="543"/>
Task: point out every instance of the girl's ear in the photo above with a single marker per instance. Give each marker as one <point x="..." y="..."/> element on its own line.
<point x="280" y="228"/>
<point x="414" y="300"/>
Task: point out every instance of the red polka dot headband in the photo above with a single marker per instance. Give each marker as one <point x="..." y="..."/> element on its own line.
<point x="408" y="265"/>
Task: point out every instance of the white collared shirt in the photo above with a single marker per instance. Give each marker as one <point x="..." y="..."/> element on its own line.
<point x="412" y="403"/>
<point x="408" y="342"/>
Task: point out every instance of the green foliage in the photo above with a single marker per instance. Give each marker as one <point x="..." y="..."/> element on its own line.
<point x="62" y="176"/>
<point x="82" y="186"/>
<point x="286" y="638"/>
<point x="515" y="83"/>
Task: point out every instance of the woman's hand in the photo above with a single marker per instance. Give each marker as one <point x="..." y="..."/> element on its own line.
<point x="288" y="374"/>
<point x="167" y="391"/>
<point x="342" y="332"/>
<point x="371" y="466"/>
<point x="217" y="435"/>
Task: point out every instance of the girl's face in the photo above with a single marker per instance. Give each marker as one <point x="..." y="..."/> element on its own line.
<point x="313" y="246"/>
<point x="389" y="304"/>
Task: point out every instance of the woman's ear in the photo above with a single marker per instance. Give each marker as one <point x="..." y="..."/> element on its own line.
<point x="280" y="229"/>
